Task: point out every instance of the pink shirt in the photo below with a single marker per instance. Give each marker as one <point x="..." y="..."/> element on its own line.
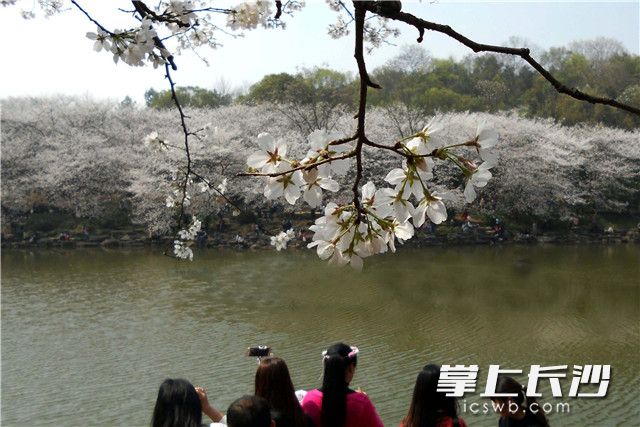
<point x="360" y="410"/>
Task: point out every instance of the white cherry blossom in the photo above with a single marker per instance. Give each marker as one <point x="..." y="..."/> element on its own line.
<point x="313" y="186"/>
<point x="222" y="187"/>
<point x="431" y="206"/>
<point x="487" y="138"/>
<point x="397" y="199"/>
<point x="477" y="178"/>
<point x="182" y="251"/>
<point x="270" y="156"/>
<point x="287" y="185"/>
<point x="280" y="240"/>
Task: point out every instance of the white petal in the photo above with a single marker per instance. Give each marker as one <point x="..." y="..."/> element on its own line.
<point x="419" y="214"/>
<point x="417" y="146"/>
<point x="266" y="142"/>
<point x="416" y="189"/>
<point x="368" y="190"/>
<point x="313" y="196"/>
<point x="481" y="177"/>
<point x="489" y="157"/>
<point x="469" y="192"/>
<point x="273" y="189"/>
<point x="296" y="178"/>
<point x="282" y="148"/>
<point x="310" y="176"/>
<point x="317" y="139"/>
<point x="395" y="176"/>
<point x="329" y="184"/>
<point x="258" y="160"/>
<point x="487" y="136"/>
<point x="356" y="262"/>
<point x="325" y="250"/>
<point x="437" y="211"/>
<point x="404" y="231"/>
<point x="292" y="193"/>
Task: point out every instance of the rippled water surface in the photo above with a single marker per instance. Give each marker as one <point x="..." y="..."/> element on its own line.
<point x="88" y="335"/>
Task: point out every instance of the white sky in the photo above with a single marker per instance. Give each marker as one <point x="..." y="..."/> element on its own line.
<point x="51" y="56"/>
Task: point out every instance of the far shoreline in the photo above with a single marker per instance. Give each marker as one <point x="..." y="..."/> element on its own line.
<point x="261" y="241"/>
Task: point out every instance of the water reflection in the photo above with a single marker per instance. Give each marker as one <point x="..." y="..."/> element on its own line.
<point x="87" y="336"/>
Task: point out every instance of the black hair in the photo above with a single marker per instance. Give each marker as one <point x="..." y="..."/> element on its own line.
<point x="428" y="404"/>
<point x="177" y="405"/>
<point x="334" y="384"/>
<point x="507" y="384"/>
<point x="249" y="411"/>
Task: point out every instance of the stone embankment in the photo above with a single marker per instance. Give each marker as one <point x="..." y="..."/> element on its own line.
<point x="444" y="236"/>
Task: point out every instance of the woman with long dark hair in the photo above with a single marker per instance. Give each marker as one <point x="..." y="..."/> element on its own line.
<point x="335" y="404"/>
<point x="520" y="410"/>
<point x="177" y="405"/>
<point x="429" y="407"/>
<point x="273" y="383"/>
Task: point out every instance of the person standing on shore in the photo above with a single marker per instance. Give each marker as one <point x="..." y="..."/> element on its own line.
<point x="429" y="407"/>
<point x="335" y="404"/>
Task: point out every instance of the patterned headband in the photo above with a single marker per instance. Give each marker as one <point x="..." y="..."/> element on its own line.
<point x="354" y="352"/>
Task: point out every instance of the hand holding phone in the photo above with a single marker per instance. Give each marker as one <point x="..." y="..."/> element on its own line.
<point x="259" y="351"/>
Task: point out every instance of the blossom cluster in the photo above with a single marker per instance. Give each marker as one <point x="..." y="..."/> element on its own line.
<point x="280" y="240"/>
<point x="181" y="247"/>
<point x="348" y="233"/>
<point x="249" y="15"/>
<point x="133" y="47"/>
<point x="308" y="182"/>
<point x="153" y="141"/>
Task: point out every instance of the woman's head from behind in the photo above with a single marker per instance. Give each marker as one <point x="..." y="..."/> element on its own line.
<point x="428" y="404"/>
<point x="507" y="385"/>
<point x="177" y="405"/>
<point x="517" y="404"/>
<point x="274" y="384"/>
<point x="340" y="361"/>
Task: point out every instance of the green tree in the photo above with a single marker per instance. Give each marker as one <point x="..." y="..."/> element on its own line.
<point x="190" y="96"/>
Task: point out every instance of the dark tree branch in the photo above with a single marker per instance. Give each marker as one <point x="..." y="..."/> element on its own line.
<point x="75" y="3"/>
<point x="278" y="9"/>
<point x="365" y="83"/>
<point x="211" y="186"/>
<point x="524" y="53"/>
<point x="185" y="132"/>
<point x="144" y="12"/>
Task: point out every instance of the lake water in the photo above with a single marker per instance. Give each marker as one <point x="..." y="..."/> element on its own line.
<point x="88" y="335"/>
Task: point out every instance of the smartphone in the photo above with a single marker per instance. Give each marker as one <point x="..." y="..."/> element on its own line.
<point x="259" y="351"/>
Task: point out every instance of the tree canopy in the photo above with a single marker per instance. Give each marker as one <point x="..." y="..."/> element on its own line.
<point x="189" y="96"/>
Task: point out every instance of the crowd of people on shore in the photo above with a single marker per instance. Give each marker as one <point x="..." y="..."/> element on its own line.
<point x="276" y="403"/>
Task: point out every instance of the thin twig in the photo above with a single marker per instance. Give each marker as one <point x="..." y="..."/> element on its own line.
<point x="301" y="167"/>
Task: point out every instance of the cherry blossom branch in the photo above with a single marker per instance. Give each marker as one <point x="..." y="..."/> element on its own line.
<point x="211" y="186"/>
<point x="344" y="140"/>
<point x="278" y="9"/>
<point x="145" y="12"/>
<point x="421" y="25"/>
<point x="301" y="167"/>
<point x="186" y="134"/>
<point x="365" y="83"/>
